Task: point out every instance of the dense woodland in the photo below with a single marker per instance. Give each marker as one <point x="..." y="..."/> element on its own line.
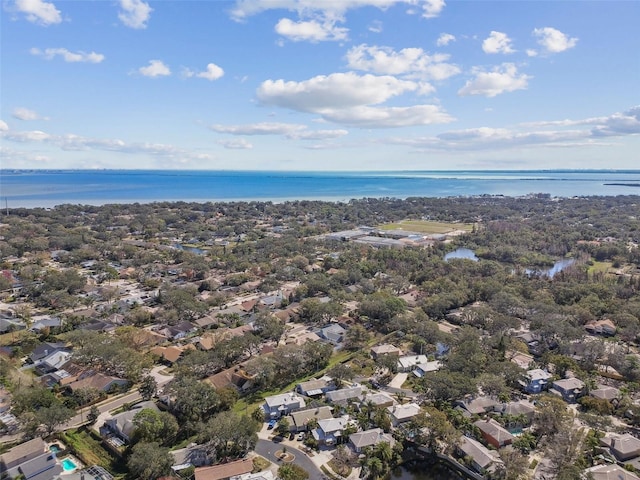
<point x="488" y="302"/>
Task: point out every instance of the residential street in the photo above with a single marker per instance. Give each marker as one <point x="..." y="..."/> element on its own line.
<point x="106" y="407"/>
<point x="267" y="449"/>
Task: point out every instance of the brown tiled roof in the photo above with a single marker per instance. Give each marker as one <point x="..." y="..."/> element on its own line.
<point x="225" y="470"/>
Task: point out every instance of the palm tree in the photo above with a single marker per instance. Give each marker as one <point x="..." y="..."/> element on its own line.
<point x="375" y="468"/>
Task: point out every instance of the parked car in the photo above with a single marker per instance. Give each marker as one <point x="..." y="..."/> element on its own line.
<point x="272" y="423"/>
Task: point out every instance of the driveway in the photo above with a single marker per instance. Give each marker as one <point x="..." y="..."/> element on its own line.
<point x="267" y="449"/>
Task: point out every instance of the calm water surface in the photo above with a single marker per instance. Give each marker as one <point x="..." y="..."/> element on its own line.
<point x="424" y="471"/>
<point x="43" y="188"/>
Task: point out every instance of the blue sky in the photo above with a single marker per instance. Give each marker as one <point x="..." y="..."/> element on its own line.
<point x="320" y="84"/>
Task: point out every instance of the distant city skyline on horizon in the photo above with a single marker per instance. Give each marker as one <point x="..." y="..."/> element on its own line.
<point x="308" y="85"/>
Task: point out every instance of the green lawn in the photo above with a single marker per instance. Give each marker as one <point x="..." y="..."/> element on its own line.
<point x="599" y="267"/>
<point x="90" y="450"/>
<point x="426" y="226"/>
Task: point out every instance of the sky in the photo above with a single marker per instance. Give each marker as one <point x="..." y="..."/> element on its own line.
<point x="320" y="85"/>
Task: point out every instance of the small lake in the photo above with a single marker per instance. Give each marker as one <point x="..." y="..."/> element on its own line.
<point x="464" y="253"/>
<point x="197" y="251"/>
<point x="552" y="271"/>
<point x="424" y="471"/>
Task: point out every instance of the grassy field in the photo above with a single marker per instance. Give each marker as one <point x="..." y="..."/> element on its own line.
<point x="599" y="267"/>
<point x="427" y="227"/>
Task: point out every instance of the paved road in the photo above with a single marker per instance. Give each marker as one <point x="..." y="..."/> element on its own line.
<point x="267" y="449"/>
<point x="105" y="407"/>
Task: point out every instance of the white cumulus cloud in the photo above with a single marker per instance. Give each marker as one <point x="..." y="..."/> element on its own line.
<point x="445" y="39"/>
<point x="312" y="30"/>
<point x="213" y="72"/>
<point x="21" y="113"/>
<point x="328" y="8"/>
<point x="338" y="90"/>
<point x="289" y="130"/>
<point x="39" y="11"/>
<point x="389" y="117"/>
<point x="3" y="126"/>
<point x="67" y="55"/>
<point x="497" y="42"/>
<point x="317" y="19"/>
<point x="349" y="99"/>
<point x="236" y="144"/>
<point x="501" y="79"/>
<point x="156" y="68"/>
<point x="553" y="40"/>
<point x="432" y="8"/>
<point x="134" y="13"/>
<point x="376" y="26"/>
<point x="413" y="62"/>
<point x="73" y="142"/>
<point x="587" y="132"/>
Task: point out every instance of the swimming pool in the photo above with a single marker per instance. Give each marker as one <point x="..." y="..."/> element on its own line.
<point x="68" y="465"/>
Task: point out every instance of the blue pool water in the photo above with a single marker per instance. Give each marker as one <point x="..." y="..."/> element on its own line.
<point x="68" y="465"/>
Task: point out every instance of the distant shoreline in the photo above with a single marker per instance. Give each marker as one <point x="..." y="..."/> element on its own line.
<point x="623" y="184"/>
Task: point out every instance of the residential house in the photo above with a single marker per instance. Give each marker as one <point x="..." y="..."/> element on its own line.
<point x="521" y="413"/>
<point x="10" y="324"/>
<point x="271" y="301"/>
<point x="181" y="330"/>
<point x="345" y="395"/>
<point x="300" y="419"/>
<point x="299" y="335"/>
<point x="45" y="349"/>
<point x="409" y="362"/>
<point x="224" y="471"/>
<point x="610" y="472"/>
<point x="329" y="431"/>
<point x="481" y="458"/>
<point x="379" y="399"/>
<point x="314" y="388"/>
<point x="193" y="455"/>
<point x="98" y="381"/>
<point x="423" y="368"/>
<point x="385" y="349"/>
<point x="263" y="475"/>
<point x="605" y="392"/>
<point x="403" y="413"/>
<point x="235" y="377"/>
<point x="171" y="354"/>
<point x="476" y="405"/>
<point x="369" y="438"/>
<point x="334" y="333"/>
<point x="31" y="460"/>
<point x="570" y="389"/>
<point x="276" y="406"/>
<point x="493" y="433"/>
<point x="98" y="326"/>
<point x="52" y="362"/>
<point x="623" y="447"/>
<point x="122" y="424"/>
<point x="535" y="380"/>
<point x="47" y="322"/>
<point x="523" y="360"/>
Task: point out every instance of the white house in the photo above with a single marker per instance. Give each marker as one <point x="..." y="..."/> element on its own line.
<point x="409" y="362"/>
<point x="403" y="413"/>
<point x="276" y="406"/>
